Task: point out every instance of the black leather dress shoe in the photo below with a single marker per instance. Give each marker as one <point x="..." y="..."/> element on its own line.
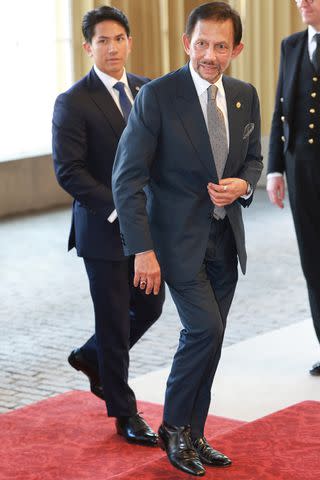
<point x="136" y="430"/>
<point x="79" y="362"/>
<point x="176" y="441"/>
<point x="315" y="370"/>
<point x="210" y="456"/>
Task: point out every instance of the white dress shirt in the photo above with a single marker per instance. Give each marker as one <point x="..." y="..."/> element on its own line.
<point x="202" y="86"/>
<point x="312" y="43"/>
<point x="202" y="91"/>
<point x="109" y="83"/>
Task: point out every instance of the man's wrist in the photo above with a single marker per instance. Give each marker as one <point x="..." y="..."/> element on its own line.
<point x="248" y="191"/>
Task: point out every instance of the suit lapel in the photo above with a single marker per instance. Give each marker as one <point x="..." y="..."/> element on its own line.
<point x="235" y="102"/>
<point x="293" y="60"/>
<point x="134" y="85"/>
<point x="105" y="103"/>
<point x="191" y="116"/>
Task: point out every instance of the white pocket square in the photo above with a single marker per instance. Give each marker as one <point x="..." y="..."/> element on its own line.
<point x="247" y="130"/>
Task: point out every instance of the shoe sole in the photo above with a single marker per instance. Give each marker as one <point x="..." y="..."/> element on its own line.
<point x="135" y="442"/>
<point x="216" y="466"/>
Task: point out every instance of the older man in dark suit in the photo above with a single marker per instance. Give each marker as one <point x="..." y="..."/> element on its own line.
<point x="295" y="146"/>
<point x="88" y="121"/>
<point x="194" y="158"/>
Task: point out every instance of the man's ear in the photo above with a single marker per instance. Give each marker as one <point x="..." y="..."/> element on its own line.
<point x="87" y="48"/>
<point x="237" y="50"/>
<point x="129" y="44"/>
<point x="186" y="43"/>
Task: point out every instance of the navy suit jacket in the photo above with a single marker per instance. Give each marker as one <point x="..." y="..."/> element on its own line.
<point x="281" y="127"/>
<point x="87" y="126"/>
<point x="160" y="182"/>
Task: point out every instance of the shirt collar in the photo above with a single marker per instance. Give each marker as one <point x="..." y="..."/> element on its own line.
<point x="202" y="85"/>
<point x="311" y="33"/>
<point x="109" y="81"/>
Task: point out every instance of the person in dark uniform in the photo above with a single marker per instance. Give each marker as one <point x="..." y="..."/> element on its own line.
<point x="295" y="146"/>
<point x="88" y="121"/>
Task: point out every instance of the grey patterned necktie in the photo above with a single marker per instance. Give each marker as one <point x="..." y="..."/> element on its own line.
<point x="218" y="139"/>
<point x="316" y="54"/>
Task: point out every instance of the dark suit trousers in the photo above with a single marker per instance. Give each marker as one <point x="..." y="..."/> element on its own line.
<point x="203" y="305"/>
<point x="303" y="179"/>
<point x="122" y="315"/>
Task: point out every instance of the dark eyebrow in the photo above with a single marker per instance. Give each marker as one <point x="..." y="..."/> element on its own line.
<point x="103" y="37"/>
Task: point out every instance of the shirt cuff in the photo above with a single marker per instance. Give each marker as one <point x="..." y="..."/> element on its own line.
<point x="249" y="192"/>
<point x="274" y="174"/>
<point x="112" y="217"/>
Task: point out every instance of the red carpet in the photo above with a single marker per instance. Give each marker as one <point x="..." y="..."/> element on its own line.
<point x="69" y="437"/>
<point x="281" y="446"/>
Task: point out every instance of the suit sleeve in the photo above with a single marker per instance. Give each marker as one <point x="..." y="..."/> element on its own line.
<point x="253" y="165"/>
<point x="70" y="156"/>
<point x="131" y="171"/>
<point x="276" y="161"/>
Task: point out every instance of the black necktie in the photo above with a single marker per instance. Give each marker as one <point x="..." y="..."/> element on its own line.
<point x="316" y="54"/>
<point x="125" y="103"/>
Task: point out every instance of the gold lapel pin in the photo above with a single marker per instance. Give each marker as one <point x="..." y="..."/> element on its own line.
<point x="238" y="104"/>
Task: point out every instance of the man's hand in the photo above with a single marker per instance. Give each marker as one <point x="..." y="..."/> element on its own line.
<point x="147" y="272"/>
<point x="276" y="190"/>
<point x="228" y="190"/>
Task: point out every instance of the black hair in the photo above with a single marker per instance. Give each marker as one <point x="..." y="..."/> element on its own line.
<point x="101" y="14"/>
<point x="219" y="11"/>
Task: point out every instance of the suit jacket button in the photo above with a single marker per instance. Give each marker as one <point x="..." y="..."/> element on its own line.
<point x="311" y="125"/>
<point x="311" y="141"/>
<point x="312" y="110"/>
<point x="313" y="94"/>
<point x="314" y="79"/>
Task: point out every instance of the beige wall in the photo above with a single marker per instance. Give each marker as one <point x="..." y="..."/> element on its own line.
<point x="28" y="185"/>
<point x="266" y="23"/>
<point x="157" y="26"/>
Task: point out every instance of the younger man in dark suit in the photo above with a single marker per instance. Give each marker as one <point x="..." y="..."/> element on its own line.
<point x="88" y="121"/>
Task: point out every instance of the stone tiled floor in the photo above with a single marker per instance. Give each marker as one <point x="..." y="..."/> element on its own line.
<point x="46" y="309"/>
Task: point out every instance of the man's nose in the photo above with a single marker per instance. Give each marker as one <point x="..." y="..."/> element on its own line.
<point x="112" y="47"/>
<point x="210" y="53"/>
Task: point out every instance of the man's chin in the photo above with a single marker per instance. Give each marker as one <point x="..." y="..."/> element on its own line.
<point x="211" y="76"/>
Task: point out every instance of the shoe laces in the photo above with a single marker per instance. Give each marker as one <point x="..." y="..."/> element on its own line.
<point x="139" y="422"/>
<point x="187" y="449"/>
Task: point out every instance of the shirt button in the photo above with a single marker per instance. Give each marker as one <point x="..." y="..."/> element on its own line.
<point x="283" y="138"/>
<point x="281" y="99"/>
<point x="283" y="118"/>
